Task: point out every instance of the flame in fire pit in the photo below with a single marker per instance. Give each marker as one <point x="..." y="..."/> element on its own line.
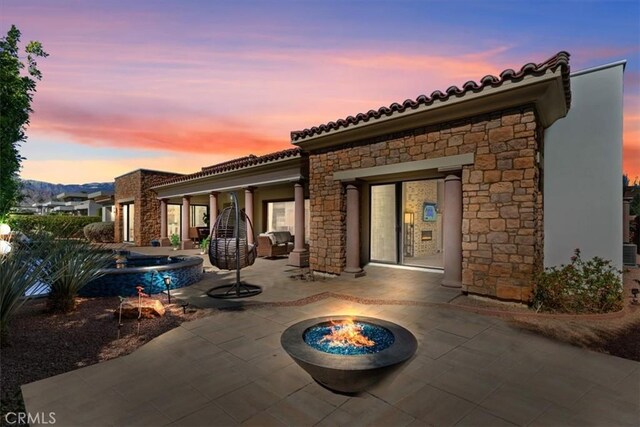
<point x="346" y="333"/>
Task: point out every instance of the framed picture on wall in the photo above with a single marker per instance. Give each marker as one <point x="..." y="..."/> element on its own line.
<point x="429" y="212"/>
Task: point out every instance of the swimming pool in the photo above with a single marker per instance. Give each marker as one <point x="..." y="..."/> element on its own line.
<point x="148" y="271"/>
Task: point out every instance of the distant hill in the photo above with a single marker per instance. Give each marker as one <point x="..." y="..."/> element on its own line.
<point x="39" y="191"/>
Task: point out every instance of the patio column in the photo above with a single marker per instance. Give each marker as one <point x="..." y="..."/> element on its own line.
<point x="186" y="214"/>
<point x="353" y="232"/>
<point x="164" y="240"/>
<point x="299" y="257"/>
<point x="213" y="210"/>
<point x="452" y="224"/>
<point x="248" y="209"/>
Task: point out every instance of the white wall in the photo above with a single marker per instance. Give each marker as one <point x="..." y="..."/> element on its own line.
<point x="583" y="171"/>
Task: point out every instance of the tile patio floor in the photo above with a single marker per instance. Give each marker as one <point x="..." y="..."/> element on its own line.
<point x="229" y="369"/>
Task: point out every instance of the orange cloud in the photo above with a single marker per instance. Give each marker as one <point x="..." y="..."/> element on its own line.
<point x="220" y="137"/>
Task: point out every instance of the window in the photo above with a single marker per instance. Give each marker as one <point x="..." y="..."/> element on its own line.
<point x="281" y="217"/>
<point x="198" y="214"/>
<point x="173" y="219"/>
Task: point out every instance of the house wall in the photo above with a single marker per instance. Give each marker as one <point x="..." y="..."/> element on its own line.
<point x="583" y="171"/>
<point x="137" y="186"/>
<point x="500" y="196"/>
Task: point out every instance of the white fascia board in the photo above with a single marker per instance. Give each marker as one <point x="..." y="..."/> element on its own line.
<point x="228" y="185"/>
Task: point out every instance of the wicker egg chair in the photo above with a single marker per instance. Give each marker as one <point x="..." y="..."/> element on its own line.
<point x="229" y="249"/>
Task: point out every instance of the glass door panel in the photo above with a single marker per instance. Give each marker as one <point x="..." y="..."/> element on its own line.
<point x="173" y="220"/>
<point x="384" y="242"/>
<point x="422" y="223"/>
<point x="131" y="220"/>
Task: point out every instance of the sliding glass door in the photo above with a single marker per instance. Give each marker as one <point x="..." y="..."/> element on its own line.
<point x="406" y="223"/>
<point x="384" y="240"/>
<point x="128" y="217"/>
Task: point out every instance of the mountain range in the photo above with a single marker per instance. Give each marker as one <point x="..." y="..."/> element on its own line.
<point x="40" y="191"/>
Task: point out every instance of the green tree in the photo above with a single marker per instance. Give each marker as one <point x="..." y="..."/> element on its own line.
<point x="16" y="93"/>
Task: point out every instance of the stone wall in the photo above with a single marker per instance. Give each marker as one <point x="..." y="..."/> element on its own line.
<point x="137" y="185"/>
<point x="501" y="198"/>
<point x="502" y="212"/>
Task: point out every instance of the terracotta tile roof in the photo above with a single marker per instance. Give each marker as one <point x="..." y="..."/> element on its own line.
<point x="239" y="163"/>
<point x="561" y="60"/>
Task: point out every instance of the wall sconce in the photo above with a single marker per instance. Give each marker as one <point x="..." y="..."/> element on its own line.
<point x="167" y="283"/>
<point x="5" y="230"/>
<point x="408" y="217"/>
<point x="408" y="233"/>
<point x="5" y="245"/>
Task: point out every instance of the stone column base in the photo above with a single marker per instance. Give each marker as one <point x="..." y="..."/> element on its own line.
<point x="165" y="241"/>
<point x="299" y="259"/>
<point x="187" y="244"/>
<point x="353" y="273"/>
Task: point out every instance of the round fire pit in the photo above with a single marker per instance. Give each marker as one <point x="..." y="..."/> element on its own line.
<point x="348" y="354"/>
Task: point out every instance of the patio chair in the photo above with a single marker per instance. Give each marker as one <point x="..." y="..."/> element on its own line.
<point x="229" y="249"/>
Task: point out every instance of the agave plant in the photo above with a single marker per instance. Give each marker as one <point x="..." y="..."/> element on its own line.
<point x="71" y="265"/>
<point x="19" y="271"/>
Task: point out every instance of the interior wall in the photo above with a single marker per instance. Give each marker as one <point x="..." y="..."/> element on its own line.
<point x="416" y="193"/>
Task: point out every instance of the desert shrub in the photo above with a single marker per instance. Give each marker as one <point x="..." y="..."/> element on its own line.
<point x="100" y="232"/>
<point x="71" y="264"/>
<point x="592" y="286"/>
<point x="72" y="225"/>
<point x="20" y="270"/>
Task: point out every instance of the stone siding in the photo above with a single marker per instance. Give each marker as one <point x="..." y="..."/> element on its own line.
<point x="502" y="216"/>
<point x="137" y="185"/>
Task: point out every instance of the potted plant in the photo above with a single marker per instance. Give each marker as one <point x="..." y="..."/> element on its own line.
<point x="204" y="245"/>
<point x="175" y="241"/>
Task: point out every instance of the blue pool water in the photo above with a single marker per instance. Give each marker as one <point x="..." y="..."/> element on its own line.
<point x="376" y="338"/>
<point x="146" y="271"/>
<point x="125" y="273"/>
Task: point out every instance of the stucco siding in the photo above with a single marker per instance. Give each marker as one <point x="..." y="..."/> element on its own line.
<point x="583" y="171"/>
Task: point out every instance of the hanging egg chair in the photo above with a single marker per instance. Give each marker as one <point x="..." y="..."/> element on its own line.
<point x="229" y="249"/>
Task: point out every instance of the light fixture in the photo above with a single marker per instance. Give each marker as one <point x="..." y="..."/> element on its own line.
<point x="167" y="283"/>
<point x="5" y="247"/>
<point x="408" y="217"/>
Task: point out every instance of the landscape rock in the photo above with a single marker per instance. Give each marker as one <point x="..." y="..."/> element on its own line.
<point x="150" y="308"/>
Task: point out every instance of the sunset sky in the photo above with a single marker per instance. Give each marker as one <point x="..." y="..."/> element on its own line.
<point x="177" y="85"/>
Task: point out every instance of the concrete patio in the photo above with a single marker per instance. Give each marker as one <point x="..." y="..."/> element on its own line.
<point x="229" y="368"/>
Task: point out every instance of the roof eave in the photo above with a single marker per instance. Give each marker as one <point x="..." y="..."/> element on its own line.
<point x="239" y="171"/>
<point x="546" y="92"/>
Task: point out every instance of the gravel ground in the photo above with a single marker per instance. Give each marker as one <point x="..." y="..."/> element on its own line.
<point x="618" y="336"/>
<point x="41" y="345"/>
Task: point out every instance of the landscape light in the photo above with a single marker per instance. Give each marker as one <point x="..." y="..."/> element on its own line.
<point x="5" y="247"/>
<point x="5" y="230"/>
<point x="167" y="283"/>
